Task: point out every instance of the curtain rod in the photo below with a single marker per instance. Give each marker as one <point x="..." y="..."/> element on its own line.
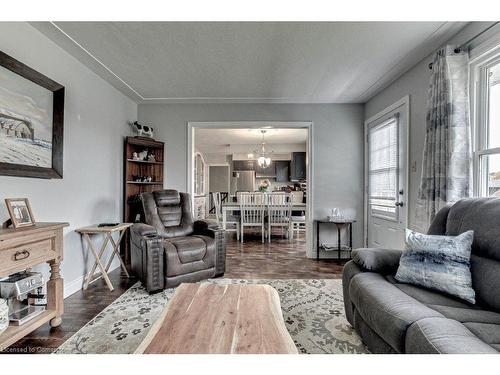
<point x="458" y="49"/>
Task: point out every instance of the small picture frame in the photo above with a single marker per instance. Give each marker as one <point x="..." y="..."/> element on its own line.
<point x="20" y="212"/>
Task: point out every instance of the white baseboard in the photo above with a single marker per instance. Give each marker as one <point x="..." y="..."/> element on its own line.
<point x="71" y="287"/>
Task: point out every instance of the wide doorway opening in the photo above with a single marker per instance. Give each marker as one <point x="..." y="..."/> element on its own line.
<point x="254" y="179"/>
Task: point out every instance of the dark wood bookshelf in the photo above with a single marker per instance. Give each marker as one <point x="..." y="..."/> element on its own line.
<point x="144" y="161"/>
<point x="144" y="183"/>
<point x="131" y="188"/>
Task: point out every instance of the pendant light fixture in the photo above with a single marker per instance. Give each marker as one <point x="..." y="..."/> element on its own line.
<point x="264" y="160"/>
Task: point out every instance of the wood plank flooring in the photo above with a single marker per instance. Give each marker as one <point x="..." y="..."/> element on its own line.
<point x="280" y="259"/>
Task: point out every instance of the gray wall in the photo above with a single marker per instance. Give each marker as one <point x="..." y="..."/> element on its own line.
<point x="95" y="121"/>
<point x="338" y="145"/>
<point x="415" y="84"/>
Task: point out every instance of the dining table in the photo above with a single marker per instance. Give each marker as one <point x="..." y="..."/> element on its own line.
<point x="235" y="207"/>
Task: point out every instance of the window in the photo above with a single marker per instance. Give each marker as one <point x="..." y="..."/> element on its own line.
<point x="383" y="168"/>
<point x="486" y="125"/>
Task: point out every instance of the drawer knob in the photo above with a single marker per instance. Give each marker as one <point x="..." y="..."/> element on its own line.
<point x="20" y="255"/>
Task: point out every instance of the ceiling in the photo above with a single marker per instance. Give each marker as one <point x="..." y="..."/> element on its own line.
<point x="249" y="62"/>
<point x="249" y="136"/>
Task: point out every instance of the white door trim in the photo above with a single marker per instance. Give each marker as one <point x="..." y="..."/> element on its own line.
<point x="405" y="101"/>
<point x="260" y="124"/>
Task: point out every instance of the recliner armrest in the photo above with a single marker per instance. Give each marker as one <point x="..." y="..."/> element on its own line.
<point x="384" y="261"/>
<point x="142" y="229"/>
<point x="146" y="255"/>
<point x="206" y="227"/>
<point x="210" y="228"/>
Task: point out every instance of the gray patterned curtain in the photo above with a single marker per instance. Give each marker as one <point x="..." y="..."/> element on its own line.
<point x="446" y="160"/>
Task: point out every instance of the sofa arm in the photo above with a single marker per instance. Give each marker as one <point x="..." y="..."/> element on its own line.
<point x="384" y="261"/>
<point x="210" y="228"/>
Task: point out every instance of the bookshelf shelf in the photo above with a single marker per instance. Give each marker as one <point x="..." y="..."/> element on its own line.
<point x="131" y="189"/>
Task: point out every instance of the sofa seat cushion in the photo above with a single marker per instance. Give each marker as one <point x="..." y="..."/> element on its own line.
<point x="189" y="254"/>
<point x="468" y="315"/>
<point x="387" y="309"/>
<point x="443" y="336"/>
<point x="450" y="307"/>
<point x="430" y="297"/>
<point x="487" y="332"/>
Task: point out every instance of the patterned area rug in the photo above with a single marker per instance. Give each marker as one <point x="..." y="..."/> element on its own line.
<point x="313" y="311"/>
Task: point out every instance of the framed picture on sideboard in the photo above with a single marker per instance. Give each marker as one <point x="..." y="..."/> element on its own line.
<point x="20" y="212"/>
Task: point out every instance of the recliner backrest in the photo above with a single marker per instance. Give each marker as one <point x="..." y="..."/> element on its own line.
<point x="169" y="212"/>
<point x="482" y="215"/>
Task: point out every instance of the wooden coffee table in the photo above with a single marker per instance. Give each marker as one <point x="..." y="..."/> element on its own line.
<point x="208" y="318"/>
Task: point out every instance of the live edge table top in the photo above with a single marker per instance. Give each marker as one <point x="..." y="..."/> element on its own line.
<point x="207" y="318"/>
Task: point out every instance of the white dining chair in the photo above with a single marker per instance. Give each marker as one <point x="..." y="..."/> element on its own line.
<point x="297" y="196"/>
<point x="232" y="220"/>
<point x="252" y="209"/>
<point x="298" y="223"/>
<point x="279" y="212"/>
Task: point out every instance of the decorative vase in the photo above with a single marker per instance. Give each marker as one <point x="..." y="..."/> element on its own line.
<point x="264" y="186"/>
<point x="4" y="315"/>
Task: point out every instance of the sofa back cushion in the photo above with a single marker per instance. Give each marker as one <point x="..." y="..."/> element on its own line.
<point x="486" y="282"/>
<point x="482" y="215"/>
<point x="169" y="212"/>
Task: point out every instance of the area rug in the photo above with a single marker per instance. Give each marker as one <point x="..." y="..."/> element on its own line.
<point x="313" y="311"/>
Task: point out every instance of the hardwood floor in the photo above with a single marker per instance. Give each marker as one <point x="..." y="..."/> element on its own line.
<point x="79" y="309"/>
<point x="280" y="259"/>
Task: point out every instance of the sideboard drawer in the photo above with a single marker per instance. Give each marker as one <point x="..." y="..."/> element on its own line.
<point x="27" y="255"/>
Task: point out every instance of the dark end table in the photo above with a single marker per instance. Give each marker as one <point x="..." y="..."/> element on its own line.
<point x="339" y="224"/>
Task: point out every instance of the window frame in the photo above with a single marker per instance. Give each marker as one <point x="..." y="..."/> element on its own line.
<point x="479" y="116"/>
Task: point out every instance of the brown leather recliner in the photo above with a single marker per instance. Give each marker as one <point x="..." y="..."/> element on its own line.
<point x="170" y="248"/>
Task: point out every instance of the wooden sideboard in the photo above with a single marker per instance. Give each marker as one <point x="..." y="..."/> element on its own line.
<point x="23" y="248"/>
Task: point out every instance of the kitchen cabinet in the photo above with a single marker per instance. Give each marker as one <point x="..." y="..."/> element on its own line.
<point x="298" y="166"/>
<point x="244" y="165"/>
<point x="282" y="171"/>
<point x="268" y="172"/>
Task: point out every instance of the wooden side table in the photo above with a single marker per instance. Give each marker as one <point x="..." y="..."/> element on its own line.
<point x="23" y="248"/>
<point x="339" y="224"/>
<point x="107" y="231"/>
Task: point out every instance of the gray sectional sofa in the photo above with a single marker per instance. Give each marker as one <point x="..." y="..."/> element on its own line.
<point x="392" y="317"/>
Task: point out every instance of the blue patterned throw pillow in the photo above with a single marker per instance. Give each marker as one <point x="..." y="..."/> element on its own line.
<point x="438" y="262"/>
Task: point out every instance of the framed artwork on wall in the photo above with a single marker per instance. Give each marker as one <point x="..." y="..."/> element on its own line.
<point x="31" y="122"/>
